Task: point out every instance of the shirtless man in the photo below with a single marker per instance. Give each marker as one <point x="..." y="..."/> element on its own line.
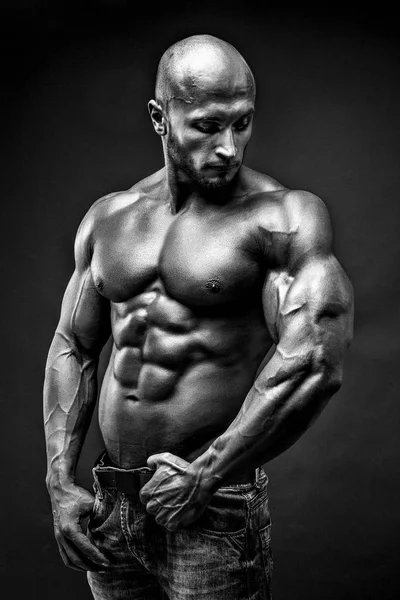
<point x="196" y="272"/>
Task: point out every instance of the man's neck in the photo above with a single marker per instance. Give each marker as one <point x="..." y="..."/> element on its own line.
<point x="181" y="191"/>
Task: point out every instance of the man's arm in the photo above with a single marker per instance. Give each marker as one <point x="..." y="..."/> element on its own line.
<point x="70" y="393"/>
<point x="308" y="308"/>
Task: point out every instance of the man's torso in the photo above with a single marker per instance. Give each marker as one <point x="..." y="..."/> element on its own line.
<point x="188" y="326"/>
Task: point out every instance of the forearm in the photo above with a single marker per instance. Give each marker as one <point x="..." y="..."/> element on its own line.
<point x="285" y="399"/>
<point x="70" y="392"/>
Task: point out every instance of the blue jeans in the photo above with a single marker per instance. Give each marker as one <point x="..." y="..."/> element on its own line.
<point x="224" y="555"/>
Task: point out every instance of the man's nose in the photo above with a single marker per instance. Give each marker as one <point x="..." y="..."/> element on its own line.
<point x="226" y="144"/>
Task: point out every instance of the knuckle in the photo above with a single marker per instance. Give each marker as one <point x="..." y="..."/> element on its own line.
<point x="66" y="530"/>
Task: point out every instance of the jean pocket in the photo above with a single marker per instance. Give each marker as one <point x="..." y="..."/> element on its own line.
<point x="226" y="514"/>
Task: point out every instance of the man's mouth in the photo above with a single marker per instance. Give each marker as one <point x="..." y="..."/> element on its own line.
<point x="222" y="168"/>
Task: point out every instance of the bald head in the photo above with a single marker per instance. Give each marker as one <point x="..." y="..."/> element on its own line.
<point x="199" y="67"/>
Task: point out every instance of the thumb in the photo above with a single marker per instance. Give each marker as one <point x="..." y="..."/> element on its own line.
<point x="154" y="461"/>
<point x="165" y="458"/>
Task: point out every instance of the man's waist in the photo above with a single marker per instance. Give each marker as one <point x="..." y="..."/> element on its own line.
<point x="130" y="481"/>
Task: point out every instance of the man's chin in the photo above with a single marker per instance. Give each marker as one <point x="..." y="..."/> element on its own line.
<point x="213" y="184"/>
<point x="217" y="182"/>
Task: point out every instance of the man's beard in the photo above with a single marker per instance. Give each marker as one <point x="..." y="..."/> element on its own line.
<point x="186" y="164"/>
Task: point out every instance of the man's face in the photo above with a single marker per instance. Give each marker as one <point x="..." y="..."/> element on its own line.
<point x="206" y="140"/>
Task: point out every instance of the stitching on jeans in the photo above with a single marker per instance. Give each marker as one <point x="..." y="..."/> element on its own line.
<point x="124" y="525"/>
<point x="264" y="535"/>
<point x="125" y="528"/>
<point x="222" y="534"/>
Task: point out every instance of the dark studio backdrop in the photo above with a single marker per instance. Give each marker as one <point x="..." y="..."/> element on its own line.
<point x="76" y="79"/>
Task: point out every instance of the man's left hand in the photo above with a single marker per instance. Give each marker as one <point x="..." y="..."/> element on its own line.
<point x="175" y="494"/>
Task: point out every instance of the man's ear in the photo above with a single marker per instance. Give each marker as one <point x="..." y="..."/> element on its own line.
<point x="157" y="117"/>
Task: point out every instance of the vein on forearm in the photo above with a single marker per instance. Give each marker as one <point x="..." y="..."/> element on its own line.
<point x="70" y="396"/>
<point x="272" y="391"/>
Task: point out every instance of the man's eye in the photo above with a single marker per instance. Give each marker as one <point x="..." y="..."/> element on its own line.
<point x="207" y="127"/>
<point x="242" y="125"/>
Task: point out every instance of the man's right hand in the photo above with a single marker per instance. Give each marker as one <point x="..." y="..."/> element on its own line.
<point x="70" y="507"/>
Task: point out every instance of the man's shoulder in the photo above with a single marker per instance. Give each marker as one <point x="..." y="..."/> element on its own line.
<point x="290" y="206"/>
<point x="299" y="201"/>
<point x="305" y="210"/>
<point x="111" y="210"/>
<point x="309" y="224"/>
<point x="261" y="185"/>
<point x="264" y="186"/>
<point x="289" y="222"/>
<point x="113" y="206"/>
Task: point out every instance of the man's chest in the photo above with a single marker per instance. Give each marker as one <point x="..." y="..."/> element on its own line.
<point x="201" y="260"/>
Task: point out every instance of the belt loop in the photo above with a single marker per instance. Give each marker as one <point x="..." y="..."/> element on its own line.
<point x="96" y="485"/>
<point x="143" y="479"/>
<point x="101" y="459"/>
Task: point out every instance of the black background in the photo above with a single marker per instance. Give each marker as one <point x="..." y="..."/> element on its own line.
<point x="76" y="78"/>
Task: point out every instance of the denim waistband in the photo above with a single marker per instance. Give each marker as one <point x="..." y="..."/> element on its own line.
<point x="131" y="481"/>
<point x="103" y="462"/>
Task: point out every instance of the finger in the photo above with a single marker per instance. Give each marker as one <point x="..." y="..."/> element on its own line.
<point x="165" y="522"/>
<point x="89" y="550"/>
<point x="73" y="558"/>
<point x="159" y="519"/>
<point x="152" y="487"/>
<point x="147" y="491"/>
<point x="67" y="561"/>
<point x="152" y="507"/>
<point x="86" y="548"/>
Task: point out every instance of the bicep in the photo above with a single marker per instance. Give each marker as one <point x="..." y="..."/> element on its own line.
<point x="311" y="311"/>
<point x="308" y="300"/>
<point x="85" y="314"/>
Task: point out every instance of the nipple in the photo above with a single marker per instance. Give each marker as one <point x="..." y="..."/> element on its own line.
<point x="214" y="286"/>
<point x="99" y="284"/>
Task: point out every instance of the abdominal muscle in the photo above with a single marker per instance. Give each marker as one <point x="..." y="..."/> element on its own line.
<point x="176" y="382"/>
